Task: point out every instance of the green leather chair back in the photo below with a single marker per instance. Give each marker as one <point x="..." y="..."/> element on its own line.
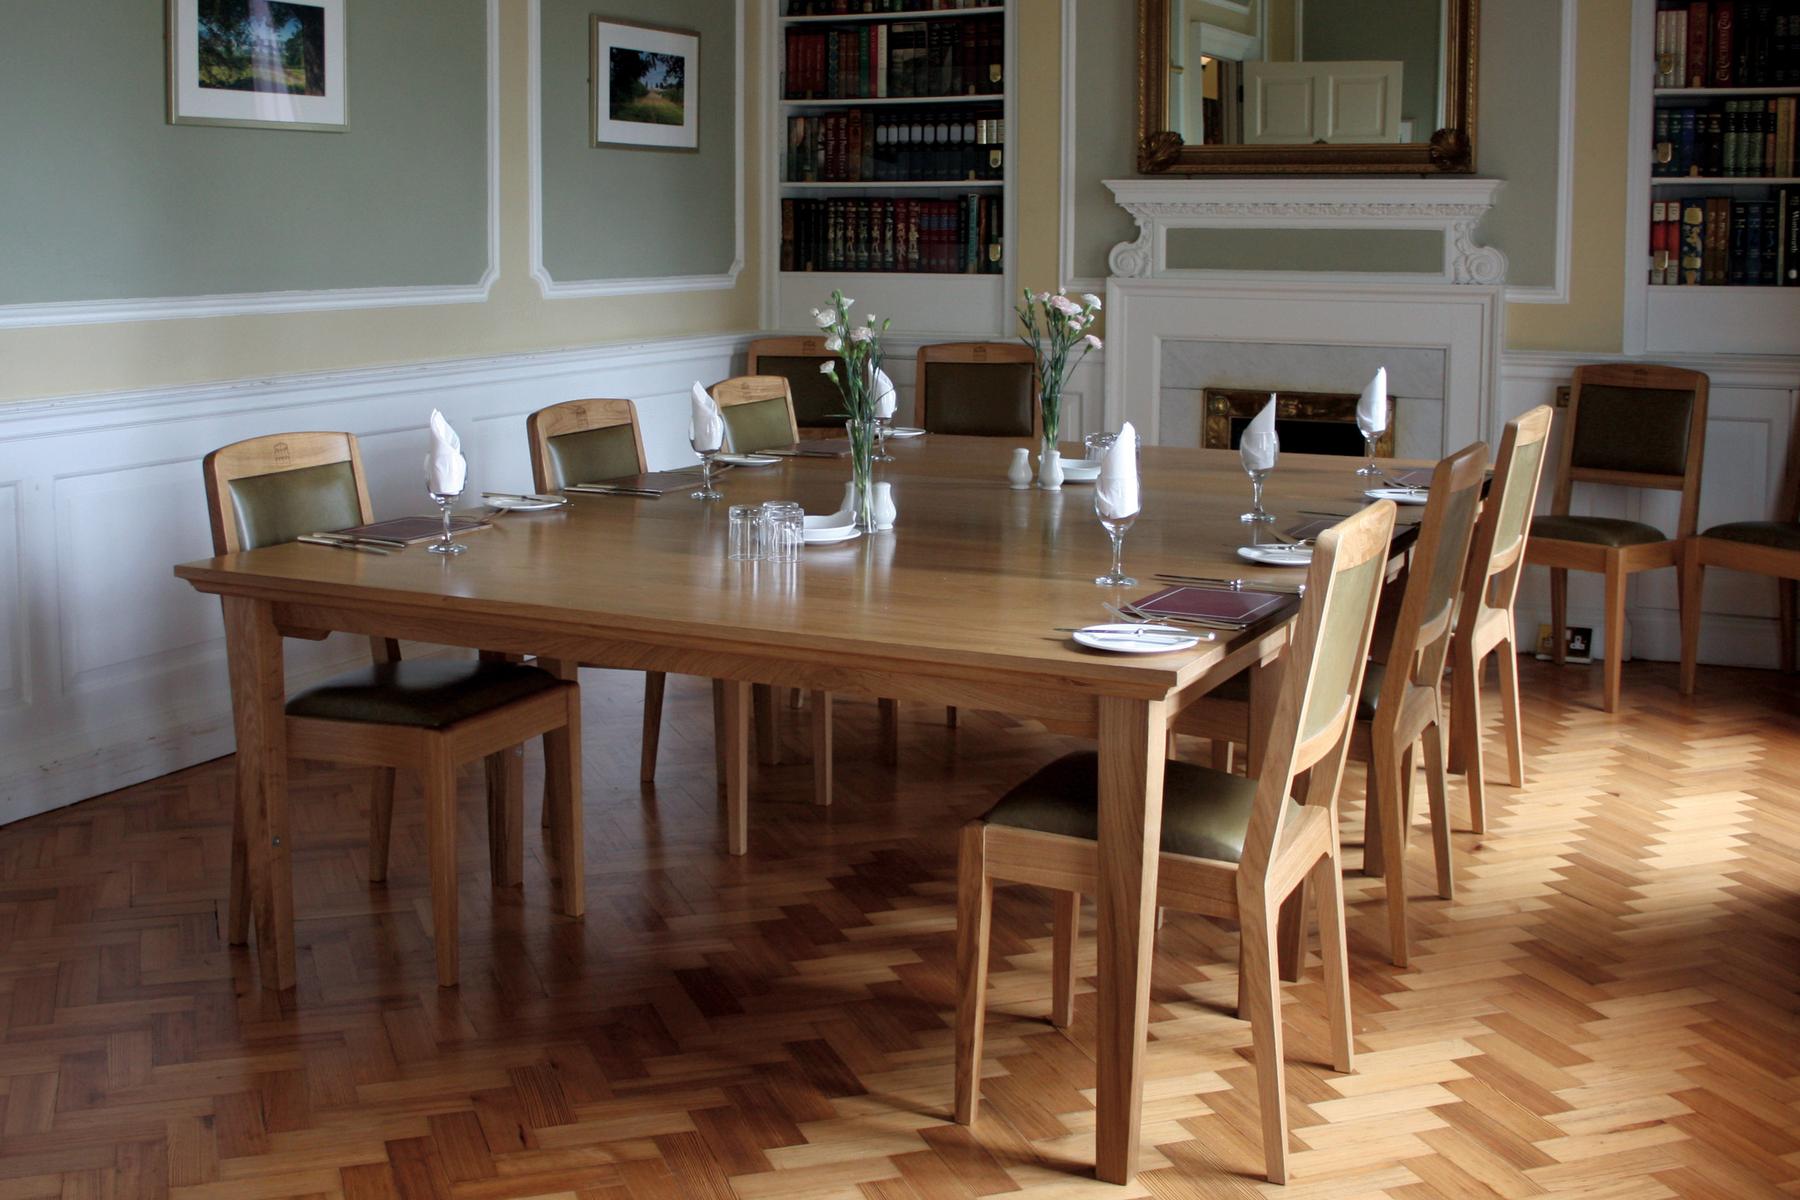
<point x="982" y="399"/>
<point x="1340" y="643"/>
<point x="1516" y="495"/>
<point x="757" y="425"/>
<point x="591" y="455"/>
<point x="282" y="505"/>
<point x="1452" y="559"/>
<point x="817" y="402"/>
<point x="1632" y="429"/>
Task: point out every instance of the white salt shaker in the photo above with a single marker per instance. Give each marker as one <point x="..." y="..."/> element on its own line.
<point x="883" y="504"/>
<point x="1018" y="472"/>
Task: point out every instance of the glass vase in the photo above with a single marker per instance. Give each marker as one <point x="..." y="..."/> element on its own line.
<point x="1050" y="472"/>
<point x="862" y="471"/>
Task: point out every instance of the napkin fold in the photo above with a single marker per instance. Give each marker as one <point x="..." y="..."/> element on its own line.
<point x="1372" y="407"/>
<point x="1116" y="490"/>
<point x="883" y="390"/>
<point x="1258" y="446"/>
<point x="445" y="467"/>
<point x="706" y="428"/>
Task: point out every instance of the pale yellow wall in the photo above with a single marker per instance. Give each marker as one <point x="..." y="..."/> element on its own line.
<point x="1038" y="145"/>
<point x="77" y="359"/>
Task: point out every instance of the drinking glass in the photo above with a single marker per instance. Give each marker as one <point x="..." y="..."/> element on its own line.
<point x="782" y="522"/>
<point x="1369" y="435"/>
<point x="882" y="425"/>
<point x="745" y="540"/>
<point x="444" y="545"/>
<point x="1115" y="529"/>
<point x="706" y="491"/>
<point x="1258" y="448"/>
<point x="1098" y="444"/>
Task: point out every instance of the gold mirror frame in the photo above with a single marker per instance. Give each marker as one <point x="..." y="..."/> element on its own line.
<point x="1451" y="150"/>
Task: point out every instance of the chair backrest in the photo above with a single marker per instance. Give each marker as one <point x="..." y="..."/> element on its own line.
<point x="1639" y="425"/>
<point x="1497" y="555"/>
<point x="1327" y="651"/>
<point x="583" y="441"/>
<point x="758" y="412"/>
<point x="268" y="490"/>
<point x="988" y="389"/>
<point x="817" y="402"/>
<point x="1788" y="507"/>
<point x="1440" y="558"/>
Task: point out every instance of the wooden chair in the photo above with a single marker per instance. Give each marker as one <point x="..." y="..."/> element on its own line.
<point x="1631" y="425"/>
<point x="1485" y="623"/>
<point x="584" y="441"/>
<point x="429" y="716"/>
<point x="818" y="405"/>
<point x="1766" y="547"/>
<point x="1231" y="848"/>
<point x="758" y="412"/>
<point x="988" y="389"/>
<point x="1401" y="702"/>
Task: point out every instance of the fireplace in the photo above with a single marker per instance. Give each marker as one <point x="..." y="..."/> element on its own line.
<point x="1306" y="422"/>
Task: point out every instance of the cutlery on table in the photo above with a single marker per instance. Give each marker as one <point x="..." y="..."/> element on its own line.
<point x="338" y="544"/>
<point x="359" y="540"/>
<point x="1132" y="615"/>
<point x="596" y="489"/>
<point x="1235" y="585"/>
<point x="527" y="497"/>
<point x="1142" y="633"/>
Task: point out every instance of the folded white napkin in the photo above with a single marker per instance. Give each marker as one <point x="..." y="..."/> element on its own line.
<point x="706" y="428"/>
<point x="1259" y="444"/>
<point x="445" y="466"/>
<point x="883" y="389"/>
<point x="1116" y="491"/>
<point x="1372" y="408"/>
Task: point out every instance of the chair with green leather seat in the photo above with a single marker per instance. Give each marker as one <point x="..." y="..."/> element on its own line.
<point x="1765" y="547"/>
<point x="431" y="716"/>
<point x="1632" y="425"/>
<point x="984" y="389"/>
<point x="1231" y="848"/>
<point x="818" y="405"/>
<point x="586" y="441"/>
<point x="758" y="412"/>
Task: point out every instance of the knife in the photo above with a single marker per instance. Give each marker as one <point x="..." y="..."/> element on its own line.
<point x="359" y="540"/>
<point x="313" y="540"/>
<point x="595" y="489"/>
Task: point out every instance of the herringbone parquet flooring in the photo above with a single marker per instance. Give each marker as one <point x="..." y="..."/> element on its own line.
<point x="1607" y="1009"/>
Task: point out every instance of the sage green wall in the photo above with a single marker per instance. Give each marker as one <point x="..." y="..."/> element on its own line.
<point x="1419" y="251"/>
<point x="664" y="212"/>
<point x="103" y="199"/>
<point x="1407" y="31"/>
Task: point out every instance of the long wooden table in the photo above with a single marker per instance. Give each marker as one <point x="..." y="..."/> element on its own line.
<point x="956" y="605"/>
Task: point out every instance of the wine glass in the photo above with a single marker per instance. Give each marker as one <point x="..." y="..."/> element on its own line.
<point x="1258" y="452"/>
<point x="444" y="545"/>
<point x="882" y="425"/>
<point x="706" y="491"/>
<point x="1115" y="529"/>
<point x="1370" y="432"/>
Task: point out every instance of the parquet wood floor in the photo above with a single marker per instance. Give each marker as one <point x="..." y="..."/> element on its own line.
<point x="1607" y="1009"/>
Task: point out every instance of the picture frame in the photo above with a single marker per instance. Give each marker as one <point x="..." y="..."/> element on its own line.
<point x="644" y="83"/>
<point x="266" y="64"/>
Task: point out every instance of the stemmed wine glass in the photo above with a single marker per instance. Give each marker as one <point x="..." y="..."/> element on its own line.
<point x="882" y="425"/>
<point x="706" y="491"/>
<point x="444" y="545"/>
<point x="1370" y="433"/>
<point x="1115" y="529"/>
<point x="1258" y="452"/>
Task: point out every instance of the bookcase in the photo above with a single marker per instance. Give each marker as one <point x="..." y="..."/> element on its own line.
<point x="889" y="140"/>
<point x="1713" y="260"/>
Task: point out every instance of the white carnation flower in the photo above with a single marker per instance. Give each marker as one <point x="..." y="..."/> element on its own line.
<point x="861" y="335"/>
<point x="1093" y="343"/>
<point x="828" y="368"/>
<point x="825" y="317"/>
<point x="834" y="343"/>
<point x="1092" y="301"/>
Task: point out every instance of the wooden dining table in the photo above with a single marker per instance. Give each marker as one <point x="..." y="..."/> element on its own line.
<point x="959" y="604"/>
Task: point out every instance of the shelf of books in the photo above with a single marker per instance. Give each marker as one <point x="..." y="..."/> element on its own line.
<point x="1722" y="218"/>
<point x="894" y="170"/>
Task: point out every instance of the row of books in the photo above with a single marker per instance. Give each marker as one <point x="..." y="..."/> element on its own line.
<point x="865" y="144"/>
<point x="939" y="237"/>
<point x="1727" y="43"/>
<point x="1717" y="241"/>
<point x="951" y="57"/>
<point x="844" y="8"/>
<point x="1751" y="138"/>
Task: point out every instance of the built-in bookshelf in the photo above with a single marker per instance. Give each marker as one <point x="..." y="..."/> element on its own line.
<point x="1715" y="175"/>
<point x="890" y="137"/>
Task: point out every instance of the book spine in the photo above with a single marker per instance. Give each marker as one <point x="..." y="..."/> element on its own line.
<point x="1687" y="141"/>
<point x="1715" y="143"/>
<point x="1753" y="244"/>
<point x="1740" y="243"/>
<point x="787" y="235"/>
<point x="1790" y="238"/>
<point x="1724" y="53"/>
<point x="1693" y="241"/>
<point x="1699" y="26"/>
<point x="1718" y="240"/>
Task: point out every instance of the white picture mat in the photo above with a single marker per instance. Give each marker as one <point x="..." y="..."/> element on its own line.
<point x="193" y="102"/>
<point x="684" y="136"/>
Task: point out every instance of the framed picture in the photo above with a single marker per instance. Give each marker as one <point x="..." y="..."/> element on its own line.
<point x="646" y="85"/>
<point x="278" y="64"/>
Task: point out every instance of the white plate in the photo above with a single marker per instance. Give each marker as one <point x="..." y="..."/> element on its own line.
<point x="1277" y="556"/>
<point x="905" y="431"/>
<point x="830" y="536"/>
<point x="1399" y="495"/>
<point x="829" y="523"/>
<point x="1121" y="640"/>
<point x="1080" y="471"/>
<point x="747" y="460"/>
<point x="536" y="504"/>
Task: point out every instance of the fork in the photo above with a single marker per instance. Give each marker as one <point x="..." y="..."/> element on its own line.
<point x="1131" y="614"/>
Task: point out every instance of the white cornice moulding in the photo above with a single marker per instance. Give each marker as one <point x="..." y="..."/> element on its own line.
<point x="241" y="304"/>
<point x="578" y="289"/>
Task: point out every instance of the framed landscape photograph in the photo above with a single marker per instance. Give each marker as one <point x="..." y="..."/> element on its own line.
<point x="278" y="64"/>
<point x="645" y="86"/>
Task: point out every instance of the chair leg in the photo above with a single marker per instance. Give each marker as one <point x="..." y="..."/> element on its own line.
<point x="1257" y="966"/>
<point x="381" y="822"/>
<point x="439" y="778"/>
<point x="562" y="791"/>
<point x="1438" y="791"/>
<point x="1388" y="777"/>
<point x="1328" y="885"/>
<point x="768" y="731"/>
<point x="974" y="912"/>
<point x="1559" y="614"/>
<point x="1290" y="935"/>
<point x="653" y="706"/>
<point x="821" y="747"/>
<point x="1465" y="732"/>
<point x="890" y="731"/>
<point x="1460" y="672"/>
<point x="1615" y="631"/>
<point x="1221" y="755"/>
<point x="1512" y="715"/>
<point x="1788" y="606"/>
<point x="506" y="816"/>
<point x="237" y="906"/>
<point x="794" y="696"/>
<point x="950" y="716"/>
<point x="1066" y="928"/>
<point x="718" y="696"/>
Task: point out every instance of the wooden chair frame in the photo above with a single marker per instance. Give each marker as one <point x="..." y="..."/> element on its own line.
<point x="1485" y="625"/>
<point x="1618" y="563"/>
<point x="576" y="416"/>
<point x="1284" y="850"/>
<point x="753" y="389"/>
<point x="494" y="735"/>
<point x="1783" y="566"/>
<point x="974" y="352"/>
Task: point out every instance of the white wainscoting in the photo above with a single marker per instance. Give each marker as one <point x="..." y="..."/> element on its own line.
<point x="111" y="670"/>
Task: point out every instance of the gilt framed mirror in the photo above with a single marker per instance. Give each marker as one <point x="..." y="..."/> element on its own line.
<point x="1306" y="87"/>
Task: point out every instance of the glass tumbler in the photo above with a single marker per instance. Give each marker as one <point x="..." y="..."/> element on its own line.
<point x="1098" y="444"/>
<point x="745" y="534"/>
<point x="782" y="521"/>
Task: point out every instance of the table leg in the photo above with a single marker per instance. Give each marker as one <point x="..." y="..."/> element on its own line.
<point x="258" y="698"/>
<point x="737" y="765"/>
<point x="1265" y="689"/>
<point x="562" y="794"/>
<point x="1131" y="739"/>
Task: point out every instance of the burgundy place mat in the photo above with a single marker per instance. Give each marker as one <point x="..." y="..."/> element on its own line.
<point x="660" y="481"/>
<point x="412" y="529"/>
<point x="1214" y="604"/>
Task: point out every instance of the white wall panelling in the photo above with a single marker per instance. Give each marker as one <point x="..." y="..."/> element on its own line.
<point x="1557" y="291"/>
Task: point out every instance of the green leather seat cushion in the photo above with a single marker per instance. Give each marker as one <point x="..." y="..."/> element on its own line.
<point x="1238" y="688"/>
<point x="1596" y="531"/>
<point x="427" y="694"/>
<point x="1780" y="535"/>
<point x="1206" y="813"/>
